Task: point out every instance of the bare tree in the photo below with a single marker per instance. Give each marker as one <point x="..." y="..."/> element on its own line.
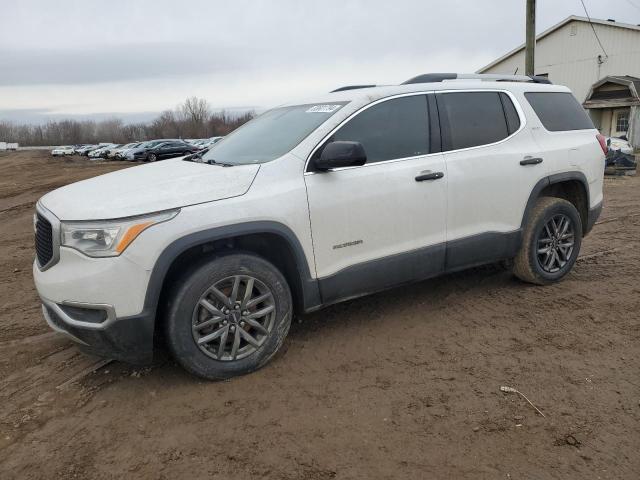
<point x="166" y="126"/>
<point x="194" y="112"/>
<point x="192" y="119"/>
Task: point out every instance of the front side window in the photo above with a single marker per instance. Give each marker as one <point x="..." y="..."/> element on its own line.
<point x="396" y="128"/>
<point x="271" y="134"/>
<point x="471" y="119"/>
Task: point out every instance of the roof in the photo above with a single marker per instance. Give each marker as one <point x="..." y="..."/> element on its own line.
<point x="572" y="18"/>
<point x="614" y="99"/>
<point x="360" y="97"/>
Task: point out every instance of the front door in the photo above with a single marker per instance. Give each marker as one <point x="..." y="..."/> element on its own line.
<point x="383" y="223"/>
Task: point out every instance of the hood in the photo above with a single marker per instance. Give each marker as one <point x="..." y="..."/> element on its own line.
<point x="148" y="188"/>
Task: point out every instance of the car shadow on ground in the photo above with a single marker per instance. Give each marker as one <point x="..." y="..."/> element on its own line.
<point x="390" y="306"/>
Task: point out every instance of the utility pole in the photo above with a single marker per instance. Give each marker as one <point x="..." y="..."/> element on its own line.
<point x="530" y="48"/>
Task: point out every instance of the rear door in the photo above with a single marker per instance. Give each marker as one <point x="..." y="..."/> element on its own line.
<point x="493" y="163"/>
<point x="383" y="223"/>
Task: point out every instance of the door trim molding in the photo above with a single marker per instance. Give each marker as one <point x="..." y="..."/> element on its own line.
<point x="420" y="264"/>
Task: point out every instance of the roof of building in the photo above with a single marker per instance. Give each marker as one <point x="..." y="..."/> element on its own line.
<point x="572" y="18"/>
<point x="614" y="98"/>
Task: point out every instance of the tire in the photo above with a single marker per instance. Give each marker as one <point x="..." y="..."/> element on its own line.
<point x="193" y="317"/>
<point x="152" y="157"/>
<point x="535" y="262"/>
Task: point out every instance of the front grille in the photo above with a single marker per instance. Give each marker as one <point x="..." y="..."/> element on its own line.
<point x="44" y="240"/>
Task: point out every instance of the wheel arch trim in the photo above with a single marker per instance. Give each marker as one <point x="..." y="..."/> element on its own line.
<point x="550" y="180"/>
<point x="310" y="289"/>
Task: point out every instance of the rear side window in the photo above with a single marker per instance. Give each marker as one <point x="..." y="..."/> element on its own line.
<point x="470" y="119"/>
<point x="397" y="128"/>
<point x="559" y="111"/>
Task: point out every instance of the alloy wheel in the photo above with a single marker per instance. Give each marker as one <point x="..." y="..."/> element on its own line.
<point x="555" y="243"/>
<point x="233" y="318"/>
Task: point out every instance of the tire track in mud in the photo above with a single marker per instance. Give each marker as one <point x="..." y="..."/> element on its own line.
<point x="19" y="208"/>
<point x="34" y="395"/>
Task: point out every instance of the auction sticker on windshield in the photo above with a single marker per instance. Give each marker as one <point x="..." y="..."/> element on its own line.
<point x="323" y="108"/>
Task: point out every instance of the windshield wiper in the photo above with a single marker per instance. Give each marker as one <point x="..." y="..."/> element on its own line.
<point x="199" y="158"/>
<point x="214" y="162"/>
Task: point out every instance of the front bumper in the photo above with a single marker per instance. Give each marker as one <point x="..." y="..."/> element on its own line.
<point x="99" y="302"/>
<point x="127" y="339"/>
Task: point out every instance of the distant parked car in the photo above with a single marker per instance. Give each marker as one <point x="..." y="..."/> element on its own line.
<point x="140" y="152"/>
<point x="62" y="151"/>
<point x="115" y="151"/>
<point x="78" y="149"/>
<point x="121" y="153"/>
<point x="109" y="151"/>
<point x="101" y="151"/>
<point x="85" y="149"/>
<point x="176" y="148"/>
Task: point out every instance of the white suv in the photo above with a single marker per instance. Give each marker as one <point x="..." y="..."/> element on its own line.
<point x="309" y="204"/>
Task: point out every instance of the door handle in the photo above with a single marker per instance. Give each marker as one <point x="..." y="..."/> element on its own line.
<point x="530" y="161"/>
<point x="429" y="176"/>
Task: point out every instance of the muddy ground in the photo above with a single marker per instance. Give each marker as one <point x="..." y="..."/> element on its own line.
<point x="405" y="384"/>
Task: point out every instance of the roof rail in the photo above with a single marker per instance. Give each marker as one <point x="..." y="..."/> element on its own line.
<point x="351" y="87"/>
<point x="441" y="77"/>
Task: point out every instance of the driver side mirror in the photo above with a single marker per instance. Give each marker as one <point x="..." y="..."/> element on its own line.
<point x="341" y="154"/>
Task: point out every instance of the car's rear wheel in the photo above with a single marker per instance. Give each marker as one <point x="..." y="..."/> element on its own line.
<point x="551" y="242"/>
<point x="229" y="317"/>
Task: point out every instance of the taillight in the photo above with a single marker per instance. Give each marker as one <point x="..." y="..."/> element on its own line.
<point x="603" y="143"/>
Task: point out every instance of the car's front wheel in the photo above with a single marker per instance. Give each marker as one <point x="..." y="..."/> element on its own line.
<point x="551" y="242"/>
<point x="229" y="316"/>
<point x="152" y="157"/>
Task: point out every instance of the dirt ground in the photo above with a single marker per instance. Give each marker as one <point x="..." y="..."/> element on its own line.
<point x="405" y="384"/>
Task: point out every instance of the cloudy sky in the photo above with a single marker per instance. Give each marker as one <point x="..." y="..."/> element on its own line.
<point x="136" y="57"/>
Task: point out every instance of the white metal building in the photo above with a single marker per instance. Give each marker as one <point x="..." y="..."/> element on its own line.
<point x="569" y="54"/>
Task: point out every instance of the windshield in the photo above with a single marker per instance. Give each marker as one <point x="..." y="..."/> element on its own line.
<point x="270" y="135"/>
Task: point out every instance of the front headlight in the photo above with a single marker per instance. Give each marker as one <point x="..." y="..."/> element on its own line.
<point x="108" y="238"/>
